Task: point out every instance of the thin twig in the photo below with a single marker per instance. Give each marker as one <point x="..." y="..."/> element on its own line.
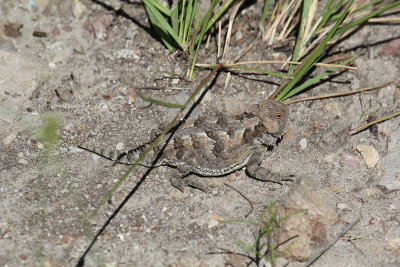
<point x="337" y="94"/>
<point x="232" y="16"/>
<point x="240" y="193"/>
<point x="385" y="20"/>
<point x="388" y="117"/>
<point x="396" y="92"/>
<point x="291" y="17"/>
<point x="163" y="88"/>
<point x="319" y="254"/>
<point x="326" y="65"/>
<point x="290" y="62"/>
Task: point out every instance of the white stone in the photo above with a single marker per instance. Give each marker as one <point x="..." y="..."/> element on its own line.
<point x="126" y="54"/>
<point x="120" y="146"/>
<point x="369" y="154"/>
<point x="78" y="9"/>
<point x="303" y="143"/>
<point x="8" y="139"/>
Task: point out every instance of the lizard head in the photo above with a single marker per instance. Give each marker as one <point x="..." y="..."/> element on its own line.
<point x="273" y="116"/>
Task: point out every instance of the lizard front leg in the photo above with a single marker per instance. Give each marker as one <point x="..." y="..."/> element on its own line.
<point x="260" y="173"/>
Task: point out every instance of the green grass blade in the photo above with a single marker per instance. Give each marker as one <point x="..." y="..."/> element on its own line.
<point x="366" y="17"/>
<point x="192" y="42"/>
<point x="165" y="37"/>
<point x="160" y="7"/>
<point x="206" y="18"/>
<point x="315" y="79"/>
<point x="162" y="23"/>
<point x="303" y="68"/>
<point x="188" y="16"/>
<point x="327" y="14"/>
<point x="219" y="13"/>
<point x="360" y="8"/>
<point x="326" y="9"/>
<point x="183" y="14"/>
<point x="191" y="20"/>
<point x="175" y="17"/>
<point x="299" y="40"/>
<point x="158" y="102"/>
<point x="265" y="11"/>
<point x="368" y="5"/>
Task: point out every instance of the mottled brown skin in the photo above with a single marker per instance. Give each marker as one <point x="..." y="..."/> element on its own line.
<point x="219" y="146"/>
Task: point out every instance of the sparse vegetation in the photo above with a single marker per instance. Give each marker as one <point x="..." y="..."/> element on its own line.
<point x="266" y="243"/>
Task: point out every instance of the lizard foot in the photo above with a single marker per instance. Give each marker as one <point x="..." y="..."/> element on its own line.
<point x="180" y="183"/>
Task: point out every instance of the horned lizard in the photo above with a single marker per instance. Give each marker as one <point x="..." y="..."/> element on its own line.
<point x="217" y="146"/>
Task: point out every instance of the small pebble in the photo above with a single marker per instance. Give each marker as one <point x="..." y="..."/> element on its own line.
<point x="8" y="139"/>
<point x="78" y="9"/>
<point x="369" y="154"/>
<point x="22" y="161"/>
<point x="214" y="221"/>
<point x="355" y="84"/>
<point x="341" y="206"/>
<point x="303" y="143"/>
<point x="120" y="146"/>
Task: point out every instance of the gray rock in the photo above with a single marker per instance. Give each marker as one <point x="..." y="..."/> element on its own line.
<point x="390" y="179"/>
<point x="20" y="77"/>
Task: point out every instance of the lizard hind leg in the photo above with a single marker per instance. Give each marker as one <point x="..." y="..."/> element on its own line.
<point x="257" y="172"/>
<point x="185" y="179"/>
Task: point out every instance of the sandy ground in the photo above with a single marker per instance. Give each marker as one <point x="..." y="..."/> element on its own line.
<point x="83" y="73"/>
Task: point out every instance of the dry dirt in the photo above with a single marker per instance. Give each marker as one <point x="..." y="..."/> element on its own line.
<point x="84" y="73"/>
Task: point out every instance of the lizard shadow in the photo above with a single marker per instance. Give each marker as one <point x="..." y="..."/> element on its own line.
<point x="81" y="261"/>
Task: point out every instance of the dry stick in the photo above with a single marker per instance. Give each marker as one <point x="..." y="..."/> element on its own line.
<point x="338" y="94"/>
<point x="290" y="19"/>
<point x="285" y="16"/>
<point x="269" y="25"/>
<point x="240" y="193"/>
<point x="280" y="61"/>
<point x="388" y="117"/>
<point x="337" y="58"/>
<point x="385" y="20"/>
<point x="315" y="42"/>
<point x="280" y="16"/>
<point x="228" y="38"/>
<point x="163" y="88"/>
<point x="336" y="39"/>
<point x="293" y="25"/>
<point x="229" y="32"/>
<point x="310" y="18"/>
<point x="319" y="254"/>
<point x="286" y="62"/>
<point x="396" y="92"/>
<point x="219" y="40"/>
